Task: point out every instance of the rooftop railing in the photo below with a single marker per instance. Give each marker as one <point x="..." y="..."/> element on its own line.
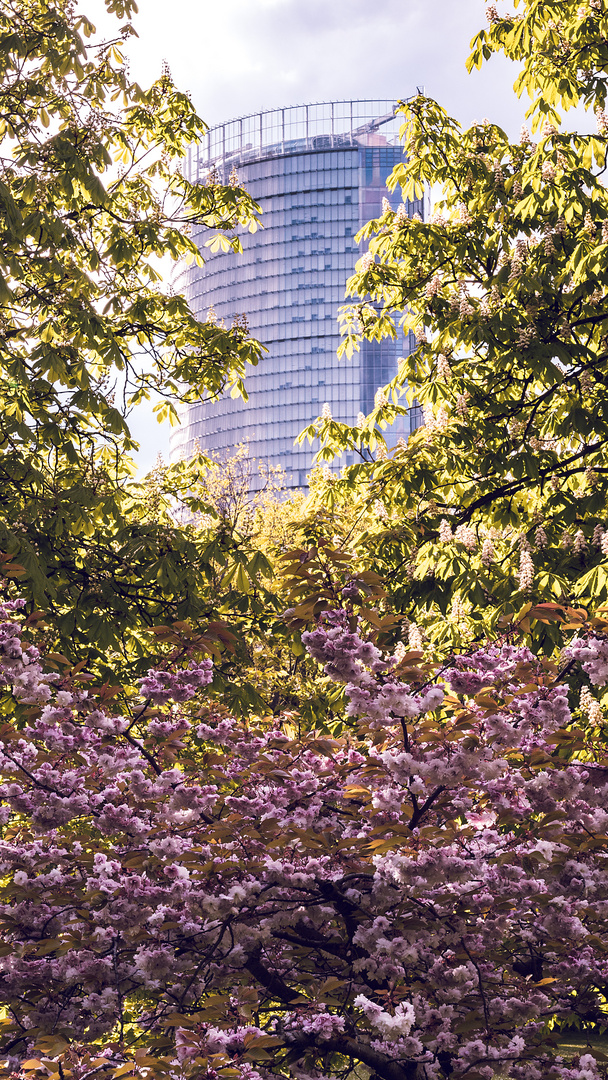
<point x="297" y="129"/>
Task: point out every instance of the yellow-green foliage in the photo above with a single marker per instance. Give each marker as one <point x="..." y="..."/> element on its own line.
<point x="500" y="499"/>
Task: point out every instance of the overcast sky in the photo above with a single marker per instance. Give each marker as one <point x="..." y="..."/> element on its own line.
<point x="238" y="56"/>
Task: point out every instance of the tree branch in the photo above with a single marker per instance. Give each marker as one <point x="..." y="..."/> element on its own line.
<point x="383" y="1066"/>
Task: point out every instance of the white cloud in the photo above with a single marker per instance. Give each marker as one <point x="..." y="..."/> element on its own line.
<point x="238" y="56"/>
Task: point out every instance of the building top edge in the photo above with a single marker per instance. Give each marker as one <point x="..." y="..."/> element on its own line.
<point x="392" y="103"/>
<point x="294" y="128"/>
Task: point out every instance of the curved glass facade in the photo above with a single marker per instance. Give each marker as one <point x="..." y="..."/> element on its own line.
<point x="319" y="173"/>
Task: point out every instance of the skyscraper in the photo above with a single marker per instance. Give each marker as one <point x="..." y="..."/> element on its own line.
<point x="319" y="173"/>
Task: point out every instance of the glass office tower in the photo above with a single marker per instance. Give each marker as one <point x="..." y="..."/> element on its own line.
<point x="319" y="173"/>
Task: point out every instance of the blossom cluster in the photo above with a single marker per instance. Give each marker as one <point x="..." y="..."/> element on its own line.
<point x="592" y="654"/>
<point x="372" y="689"/>
<point x="163" y="686"/>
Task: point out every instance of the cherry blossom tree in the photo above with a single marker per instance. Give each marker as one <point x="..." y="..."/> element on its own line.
<point x="188" y="895"/>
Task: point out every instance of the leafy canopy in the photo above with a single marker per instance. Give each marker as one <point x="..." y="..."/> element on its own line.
<point x="500" y="499"/>
<point x="92" y="204"/>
